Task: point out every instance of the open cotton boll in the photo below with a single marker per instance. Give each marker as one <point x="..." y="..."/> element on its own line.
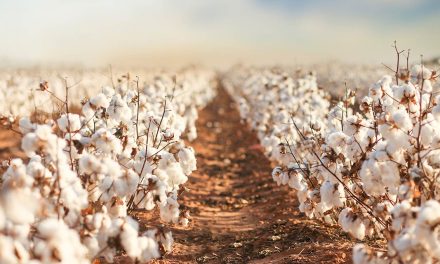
<point x="42" y="139"/>
<point x="118" y="110"/>
<point x="187" y="160"/>
<point x="69" y="122"/>
<point x="427" y="133"/>
<point x="352" y="223"/>
<point x="129" y="238"/>
<point x="36" y="169"/>
<point x="166" y="240"/>
<point x="17" y="170"/>
<point x="58" y="243"/>
<point x="364" y="255"/>
<point x="142" y="166"/>
<point x="296" y="180"/>
<point x="126" y="184"/>
<point x="157" y="194"/>
<point x="100" y="100"/>
<point x="149" y="247"/>
<point x="106" y="142"/>
<point x="402" y="120"/>
<point x="88" y="111"/>
<point x="89" y="164"/>
<point x="402" y="215"/>
<point x="332" y="195"/>
<point x="20" y="206"/>
<point x="169" y="212"/>
<point x="12" y="251"/>
<point x="426" y="227"/>
<point x="337" y="141"/>
<point x="270" y="143"/>
<point x="419" y="72"/>
<point x="376" y="91"/>
<point x="26" y="125"/>
<point x="172" y="174"/>
<point x="279" y="176"/>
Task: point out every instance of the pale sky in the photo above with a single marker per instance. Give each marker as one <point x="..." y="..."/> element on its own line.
<point x="214" y="32"/>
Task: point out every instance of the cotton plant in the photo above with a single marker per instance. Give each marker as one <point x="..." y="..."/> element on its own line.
<point x="87" y="172"/>
<point x="373" y="171"/>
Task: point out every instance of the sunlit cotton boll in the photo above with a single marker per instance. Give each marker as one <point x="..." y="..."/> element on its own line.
<point x="106" y="142"/>
<point x="118" y="110"/>
<point x="20" y="206"/>
<point x="352" y="223"/>
<point x="332" y="195"/>
<point x="402" y="120"/>
<point x="69" y="122"/>
<point x="187" y="160"/>
<point x="58" y="243"/>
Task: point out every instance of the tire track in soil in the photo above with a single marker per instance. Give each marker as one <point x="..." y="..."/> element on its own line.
<point x="238" y="214"/>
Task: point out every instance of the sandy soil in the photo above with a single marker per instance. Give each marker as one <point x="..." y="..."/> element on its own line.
<point x="9" y="145"/>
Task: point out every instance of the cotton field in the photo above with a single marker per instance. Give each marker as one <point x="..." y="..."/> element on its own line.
<point x="230" y="132"/>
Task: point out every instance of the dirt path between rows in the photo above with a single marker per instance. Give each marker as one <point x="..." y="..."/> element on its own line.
<point x="239" y="215"/>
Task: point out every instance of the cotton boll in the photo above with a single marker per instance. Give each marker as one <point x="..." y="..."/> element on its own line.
<point x="364" y="255"/>
<point x="360" y="254"/>
<point x="172" y="173"/>
<point x="157" y="194"/>
<point x="69" y="122"/>
<point x="428" y="219"/>
<point x="17" y="172"/>
<point x="42" y="139"/>
<point x="100" y="100"/>
<point x="402" y="120"/>
<point x="59" y="243"/>
<point x="376" y="91"/>
<point x="88" y="110"/>
<point x="167" y="241"/>
<point x="401" y="214"/>
<point x="332" y="195"/>
<point x="25" y="125"/>
<point x="420" y="72"/>
<point x="352" y="223"/>
<point x="106" y="142"/>
<point x="118" y="110"/>
<point x="29" y="144"/>
<point x="337" y="141"/>
<point x="296" y="181"/>
<point x="92" y="245"/>
<point x="12" y="252"/>
<point x="187" y="160"/>
<point x="150" y="248"/>
<point x="89" y="164"/>
<point x="170" y="211"/>
<point x="20" y="206"/>
<point x="36" y="169"/>
<point x="279" y="176"/>
<point x="351" y="125"/>
<point x="129" y="238"/>
<point x="126" y="184"/>
<point x="108" y="91"/>
<point x="427" y="133"/>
